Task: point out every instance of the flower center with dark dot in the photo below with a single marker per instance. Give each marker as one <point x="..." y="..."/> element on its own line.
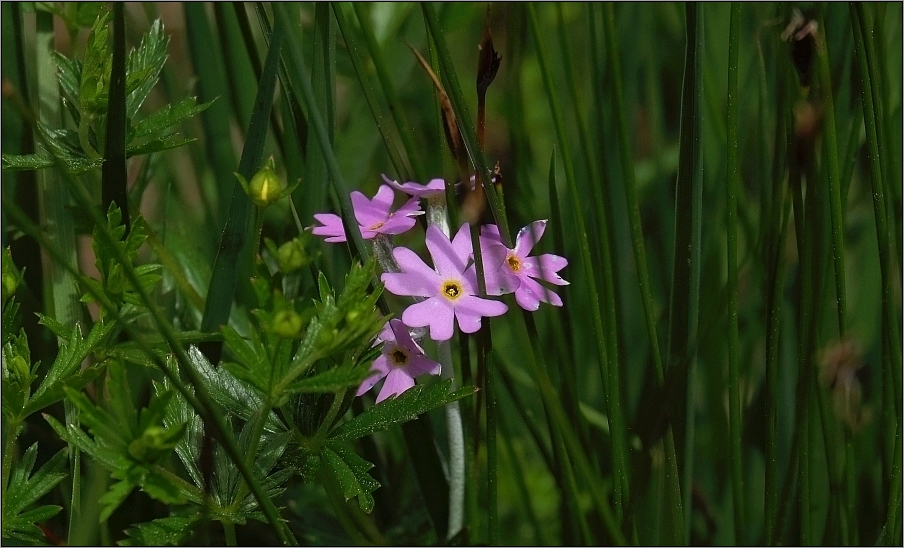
<point x="452" y="290"/>
<point x="399" y="357"/>
<point x="513" y="262"/>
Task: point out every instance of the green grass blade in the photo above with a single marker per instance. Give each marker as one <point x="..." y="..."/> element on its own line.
<point x="114" y="176"/>
<point x="212" y="84"/>
<point x="462" y="115"/>
<point x="352" y="42"/>
<point x="301" y="86"/>
<point x="227" y="267"/>
<point x="673" y="504"/>
<point x="608" y="368"/>
<point x="734" y="396"/>
<point x="389" y="91"/>
<point x="891" y="347"/>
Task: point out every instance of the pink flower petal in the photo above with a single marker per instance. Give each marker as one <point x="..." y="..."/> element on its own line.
<point x="433" y="313"/>
<point x="545" y="267"/>
<point x="397" y="382"/>
<point x="446" y="258"/>
<point x="528" y="237"/>
<point x="470" y="309"/>
<point x="531" y="292"/>
<point x="416" y="279"/>
<point x="434" y="188"/>
<point x="332" y="227"/>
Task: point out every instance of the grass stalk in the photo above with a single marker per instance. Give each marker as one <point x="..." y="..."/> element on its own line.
<point x="608" y="369"/>
<point x="734" y="396"/>
<point x="866" y="66"/>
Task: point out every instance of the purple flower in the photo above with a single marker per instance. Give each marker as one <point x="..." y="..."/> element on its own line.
<point x="450" y="291"/>
<point x="373" y="216"/>
<point x="434" y="188"/>
<point x="512" y="271"/>
<point x="401" y="361"/>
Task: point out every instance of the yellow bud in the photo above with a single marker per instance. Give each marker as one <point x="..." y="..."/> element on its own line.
<point x="265" y="188"/>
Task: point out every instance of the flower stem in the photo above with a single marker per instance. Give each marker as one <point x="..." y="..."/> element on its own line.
<point x="456" y="445"/>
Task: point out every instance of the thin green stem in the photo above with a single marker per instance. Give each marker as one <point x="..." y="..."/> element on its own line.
<point x="229" y="532"/>
<point x="734" y="396"/>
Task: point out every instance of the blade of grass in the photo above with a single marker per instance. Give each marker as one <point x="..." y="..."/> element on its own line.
<point x="208" y="64"/>
<point x="604" y="339"/>
<point x="404" y="128"/>
<point x="301" y="87"/>
<point x="734" y="396"/>
<point x="227" y="266"/>
<point x="462" y="115"/>
<point x="114" y="178"/>
<point x="352" y="42"/>
<point x="673" y="489"/>
<point x="518" y="475"/>
<point x="866" y="62"/>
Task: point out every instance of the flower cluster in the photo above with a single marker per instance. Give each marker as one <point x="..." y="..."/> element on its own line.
<point x="445" y="294"/>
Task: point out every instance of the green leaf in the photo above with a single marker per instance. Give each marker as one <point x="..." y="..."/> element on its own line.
<point x="350" y="471"/>
<point x="331" y="380"/>
<point x="168" y="531"/>
<point x="168" y="116"/>
<point x="156" y="145"/>
<point x="95" y="76"/>
<point x="143" y="67"/>
<point x="403" y="408"/>
<point x="24" y="491"/>
<point x="115" y="496"/>
<point x="21" y="162"/>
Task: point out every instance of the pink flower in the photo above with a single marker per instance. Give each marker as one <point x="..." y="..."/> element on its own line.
<point x="400" y="362"/>
<point x="434" y="188"/>
<point x="373" y="216"/>
<point x="512" y="271"/>
<point x="450" y="291"/>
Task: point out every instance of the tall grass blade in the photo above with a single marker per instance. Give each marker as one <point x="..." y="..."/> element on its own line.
<point x="114" y="177"/>
<point x="604" y="339"/>
<point x="734" y="397"/>
<point x="673" y="503"/>
<point x="227" y="267"/>
<point x="352" y="42"/>
<point x="891" y="347"/>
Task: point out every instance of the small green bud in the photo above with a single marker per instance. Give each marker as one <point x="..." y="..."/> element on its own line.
<point x="19" y="369"/>
<point x="153" y="443"/>
<point x="291" y="256"/>
<point x="287" y="323"/>
<point x="10" y="283"/>
<point x="266" y="188"/>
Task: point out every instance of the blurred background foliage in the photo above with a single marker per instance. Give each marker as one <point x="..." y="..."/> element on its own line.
<point x="216" y="51"/>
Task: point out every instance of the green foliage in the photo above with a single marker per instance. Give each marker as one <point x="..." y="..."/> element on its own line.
<point x="25" y="489"/>
<point x="115" y="287"/>
<point x="84" y="87"/>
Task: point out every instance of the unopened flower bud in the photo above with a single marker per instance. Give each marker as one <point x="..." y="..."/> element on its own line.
<point x="291" y="256"/>
<point x="10" y="283"/>
<point x="287" y="323"/>
<point x="266" y="188"/>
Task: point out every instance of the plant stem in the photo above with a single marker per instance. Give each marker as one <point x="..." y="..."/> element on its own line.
<point x="456" y="445"/>
<point x="229" y="532"/>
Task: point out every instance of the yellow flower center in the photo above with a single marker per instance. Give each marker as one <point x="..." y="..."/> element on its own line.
<point x="399" y="357"/>
<point x="377" y="226"/>
<point x="513" y="262"/>
<point x="452" y="290"/>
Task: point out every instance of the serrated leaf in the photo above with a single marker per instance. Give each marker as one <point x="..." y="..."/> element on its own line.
<point x="350" y="471"/>
<point x="168" y="531"/>
<point x="143" y="67"/>
<point x="55" y="391"/>
<point x="114" y="497"/>
<point x="229" y="392"/>
<point x="21" y="162"/>
<point x="168" y="116"/>
<point x="403" y="408"/>
<point x="331" y="380"/>
<point x="24" y="491"/>
<point x="156" y="145"/>
<point x="69" y="74"/>
<point x="95" y="77"/>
